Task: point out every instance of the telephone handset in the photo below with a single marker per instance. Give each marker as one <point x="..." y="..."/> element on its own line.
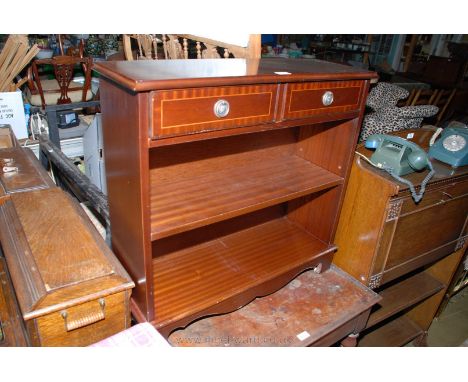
<point x="399" y="157"/>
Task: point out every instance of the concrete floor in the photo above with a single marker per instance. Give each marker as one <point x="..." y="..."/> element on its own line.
<point x="451" y="327"/>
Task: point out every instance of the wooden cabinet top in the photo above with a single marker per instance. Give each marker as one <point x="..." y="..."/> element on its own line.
<point x="170" y="74"/>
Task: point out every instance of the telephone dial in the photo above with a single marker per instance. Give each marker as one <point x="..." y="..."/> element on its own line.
<point x="452" y="146"/>
<point x="399" y="157"/>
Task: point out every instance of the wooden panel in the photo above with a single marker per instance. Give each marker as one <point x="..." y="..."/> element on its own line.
<point x="30" y="174"/>
<point x="305" y="99"/>
<point x="201" y="277"/>
<point x="84" y="259"/>
<point x="402" y="295"/>
<point x="6" y="139"/>
<point x="324" y="307"/>
<point x="53" y="332"/>
<point x="418" y="234"/>
<point x="437" y="196"/>
<point x="189" y="111"/>
<point x="12" y="331"/>
<point x="193" y="202"/>
<point x="443" y="271"/>
<point x="128" y="185"/>
<point x="319" y="213"/>
<point x="394" y="333"/>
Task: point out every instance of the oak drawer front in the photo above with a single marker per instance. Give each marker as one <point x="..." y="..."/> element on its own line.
<point x="439" y="196"/>
<point x="85" y="324"/>
<point x="181" y="112"/>
<point x="314" y="98"/>
<point x="420" y="233"/>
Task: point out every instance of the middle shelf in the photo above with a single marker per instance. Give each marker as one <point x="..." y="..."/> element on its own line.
<point x="233" y="268"/>
<point x="193" y="202"/>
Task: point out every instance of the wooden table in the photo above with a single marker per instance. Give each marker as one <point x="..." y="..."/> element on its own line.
<point x="313" y="309"/>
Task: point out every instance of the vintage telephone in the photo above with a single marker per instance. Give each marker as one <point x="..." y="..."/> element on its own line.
<point x="399" y="157"/>
<point x="452" y="146"/>
<point x="399" y="154"/>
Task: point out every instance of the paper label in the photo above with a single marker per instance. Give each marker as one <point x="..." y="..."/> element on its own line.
<point x="303" y="336"/>
<point x="12" y="113"/>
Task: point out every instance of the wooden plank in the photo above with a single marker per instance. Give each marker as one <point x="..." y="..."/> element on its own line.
<point x="194" y="202"/>
<point x="404" y="294"/>
<point x="196" y="278"/>
<point x="312" y="309"/>
<point x="397" y="332"/>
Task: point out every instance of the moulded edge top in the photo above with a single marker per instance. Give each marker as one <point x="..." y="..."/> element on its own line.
<point x="169" y="74"/>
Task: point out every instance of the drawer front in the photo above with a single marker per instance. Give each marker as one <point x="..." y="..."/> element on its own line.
<point x="321" y="98"/>
<point x="421" y="234"/>
<point x="189" y="111"/>
<point x="85" y="324"/>
<point x="439" y="196"/>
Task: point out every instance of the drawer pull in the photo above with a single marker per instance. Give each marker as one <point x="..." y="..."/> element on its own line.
<point x="327" y="98"/>
<point x="84" y="320"/>
<point x="221" y="108"/>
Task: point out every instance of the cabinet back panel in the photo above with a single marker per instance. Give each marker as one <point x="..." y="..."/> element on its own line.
<point x="315" y="144"/>
<point x="197" y="236"/>
<point x="186" y="160"/>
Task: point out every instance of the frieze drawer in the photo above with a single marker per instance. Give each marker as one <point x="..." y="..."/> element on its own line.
<point x="311" y="99"/>
<point x="190" y="111"/>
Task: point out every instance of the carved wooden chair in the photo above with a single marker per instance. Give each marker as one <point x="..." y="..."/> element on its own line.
<point x="184" y="46"/>
<point x="62" y="89"/>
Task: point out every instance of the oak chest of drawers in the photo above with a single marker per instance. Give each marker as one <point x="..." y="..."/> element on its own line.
<point x="225" y="177"/>
<point x="406" y="251"/>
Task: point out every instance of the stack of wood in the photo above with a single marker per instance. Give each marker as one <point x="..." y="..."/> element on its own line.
<point x="14" y="57"/>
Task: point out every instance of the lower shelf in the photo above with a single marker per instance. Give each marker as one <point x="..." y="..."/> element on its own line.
<point x="230" y="271"/>
<point x="397" y="332"/>
<point x="404" y="294"/>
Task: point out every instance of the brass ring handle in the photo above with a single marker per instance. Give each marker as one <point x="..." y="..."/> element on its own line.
<point x="84" y="320"/>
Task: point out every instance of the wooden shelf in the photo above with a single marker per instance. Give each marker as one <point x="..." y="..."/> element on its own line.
<point x="404" y="294"/>
<point x="178" y="206"/>
<point x="397" y="332"/>
<point x="194" y="279"/>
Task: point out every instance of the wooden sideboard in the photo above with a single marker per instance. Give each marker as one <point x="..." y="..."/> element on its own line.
<point x="404" y="250"/>
<point x="225" y="177"/>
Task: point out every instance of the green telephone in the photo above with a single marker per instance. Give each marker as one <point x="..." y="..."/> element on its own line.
<point x="399" y="157"/>
<point x="399" y="154"/>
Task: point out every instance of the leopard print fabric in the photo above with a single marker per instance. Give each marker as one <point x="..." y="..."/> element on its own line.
<point x="386" y="117"/>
